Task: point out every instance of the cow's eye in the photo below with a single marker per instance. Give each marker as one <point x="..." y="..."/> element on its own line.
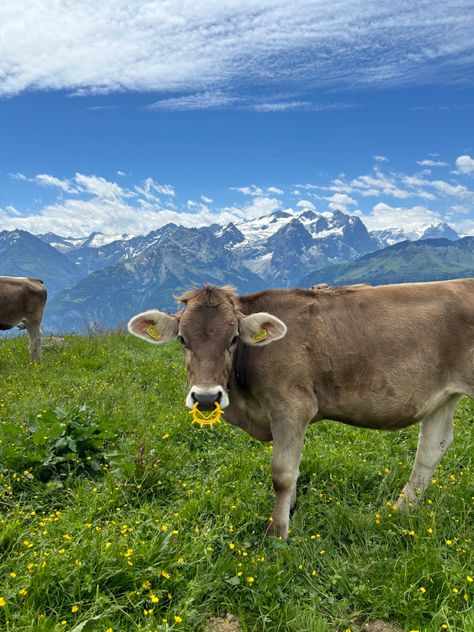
<point x="181" y="340"/>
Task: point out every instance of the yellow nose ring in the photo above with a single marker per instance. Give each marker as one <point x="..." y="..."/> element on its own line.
<point x="203" y="419"/>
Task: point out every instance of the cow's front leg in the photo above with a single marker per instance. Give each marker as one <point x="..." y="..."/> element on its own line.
<point x="287" y="446"/>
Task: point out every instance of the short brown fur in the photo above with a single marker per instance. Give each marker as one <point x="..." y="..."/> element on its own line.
<point x="22" y="303"/>
<point x="379" y="357"/>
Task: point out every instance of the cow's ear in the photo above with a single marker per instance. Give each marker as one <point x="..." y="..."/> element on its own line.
<point x="154" y="326"/>
<point x="260" y="329"/>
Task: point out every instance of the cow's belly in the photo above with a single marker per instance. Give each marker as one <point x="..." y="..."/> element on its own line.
<point x="386" y="413"/>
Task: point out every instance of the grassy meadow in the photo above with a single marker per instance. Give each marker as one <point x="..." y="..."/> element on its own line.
<point x="116" y="514"/>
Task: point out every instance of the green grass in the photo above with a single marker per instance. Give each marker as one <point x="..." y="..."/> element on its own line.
<point x="173" y="523"/>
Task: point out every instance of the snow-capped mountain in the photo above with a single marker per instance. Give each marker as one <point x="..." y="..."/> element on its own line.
<point x="278" y="246"/>
<point x="107" y="278"/>
<point x="391" y="236"/>
<point x="94" y="240"/>
<point x="23" y="254"/>
<point x="440" y="231"/>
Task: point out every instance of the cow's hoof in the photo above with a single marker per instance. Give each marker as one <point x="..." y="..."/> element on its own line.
<point x="278" y="531"/>
<point x="406" y="502"/>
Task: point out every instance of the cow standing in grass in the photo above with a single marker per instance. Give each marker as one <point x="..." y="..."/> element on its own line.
<point x="22" y="302"/>
<point x="376" y="357"/>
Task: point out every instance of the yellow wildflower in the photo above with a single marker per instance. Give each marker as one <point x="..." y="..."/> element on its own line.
<point x="3" y="603"/>
<point x="75" y="608"/>
<point x="177" y="618"/>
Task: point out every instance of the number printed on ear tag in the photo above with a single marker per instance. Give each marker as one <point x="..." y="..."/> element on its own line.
<point x="260" y="335"/>
<point x="153" y="332"/>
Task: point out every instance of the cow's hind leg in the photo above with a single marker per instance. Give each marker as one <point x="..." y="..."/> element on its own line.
<point x="436" y="435"/>
<point x="35" y="339"/>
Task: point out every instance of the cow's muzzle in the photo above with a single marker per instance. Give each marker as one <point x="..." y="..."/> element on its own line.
<point x="207" y="398"/>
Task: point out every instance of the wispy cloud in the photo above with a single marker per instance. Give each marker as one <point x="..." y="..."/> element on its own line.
<point x="220" y="100"/>
<point x="173" y="47"/>
<point x="431" y="163"/>
<point x="255" y="191"/>
<point x="287" y="106"/>
<point x="201" y="101"/>
<point x="380" y="158"/>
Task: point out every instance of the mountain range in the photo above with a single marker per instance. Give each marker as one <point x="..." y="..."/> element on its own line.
<point x="106" y="279"/>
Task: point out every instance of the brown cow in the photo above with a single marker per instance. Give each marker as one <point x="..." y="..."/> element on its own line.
<point x="376" y="357"/>
<point x="22" y="302"/>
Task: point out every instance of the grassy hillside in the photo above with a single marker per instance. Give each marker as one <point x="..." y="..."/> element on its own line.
<point x="112" y="506"/>
<point x="405" y="262"/>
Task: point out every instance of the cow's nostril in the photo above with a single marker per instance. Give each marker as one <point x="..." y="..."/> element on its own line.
<point x="206" y="401"/>
<point x="193" y="397"/>
<point x="219" y="397"/>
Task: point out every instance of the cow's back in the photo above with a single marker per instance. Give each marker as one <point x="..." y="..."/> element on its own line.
<point x="374" y="356"/>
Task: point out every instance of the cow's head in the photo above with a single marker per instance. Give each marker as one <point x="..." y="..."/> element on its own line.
<point x="208" y="328"/>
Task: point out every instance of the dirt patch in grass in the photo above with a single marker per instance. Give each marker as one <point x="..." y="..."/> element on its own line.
<point x="378" y="626"/>
<point x="223" y="624"/>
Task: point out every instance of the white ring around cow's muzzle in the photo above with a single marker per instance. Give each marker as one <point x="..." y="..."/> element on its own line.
<point x="216" y="393"/>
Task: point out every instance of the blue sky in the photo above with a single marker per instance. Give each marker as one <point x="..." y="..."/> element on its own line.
<point x="122" y="116"/>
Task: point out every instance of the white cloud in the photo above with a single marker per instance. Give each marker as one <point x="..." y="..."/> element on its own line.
<point x="254" y="190"/>
<point x="410" y="219"/>
<point x="204" y="45"/>
<point x="150" y="188"/>
<point x="306" y="204"/>
<point x="201" y="101"/>
<point x="286" y="106"/>
<point x="431" y="163"/>
<point x="98" y="204"/>
<point x="46" y="180"/>
<point x="86" y="203"/>
<point x="465" y="164"/>
<point x="399" y="186"/>
<point x="274" y="190"/>
<point x="100" y="187"/>
<point x="380" y="158"/>
<point x="340" y="201"/>
<point x="378" y="183"/>
<point x="52" y="181"/>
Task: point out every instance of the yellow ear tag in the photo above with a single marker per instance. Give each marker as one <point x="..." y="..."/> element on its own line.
<point x="260" y="335"/>
<point x="203" y="419"/>
<point x="153" y="332"/>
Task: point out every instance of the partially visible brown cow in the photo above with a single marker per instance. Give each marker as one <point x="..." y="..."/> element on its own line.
<point x="376" y="357"/>
<point x="22" y="302"/>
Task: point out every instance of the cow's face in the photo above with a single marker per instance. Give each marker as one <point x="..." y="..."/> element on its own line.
<point x="209" y="335"/>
